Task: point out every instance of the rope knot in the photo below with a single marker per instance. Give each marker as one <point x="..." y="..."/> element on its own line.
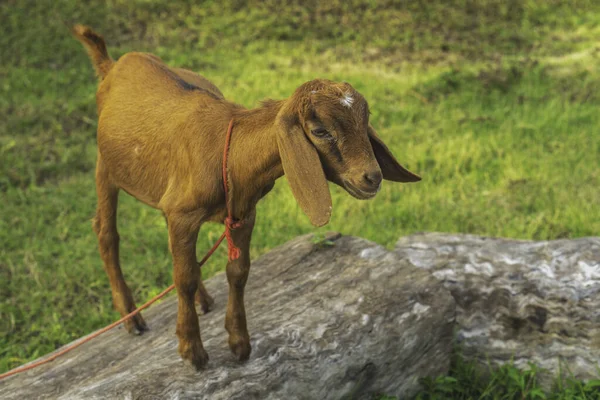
<point x="233" y="224"/>
<point x="234" y="252"/>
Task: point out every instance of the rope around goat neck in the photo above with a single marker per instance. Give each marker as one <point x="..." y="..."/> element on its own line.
<point x="230" y="223"/>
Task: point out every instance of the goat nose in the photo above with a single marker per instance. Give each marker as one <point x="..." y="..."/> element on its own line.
<point x="374" y="177"/>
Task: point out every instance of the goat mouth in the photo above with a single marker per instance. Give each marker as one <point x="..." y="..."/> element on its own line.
<point x="358" y="193"/>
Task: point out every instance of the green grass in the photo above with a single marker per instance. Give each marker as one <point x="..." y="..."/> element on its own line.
<point x="466" y="382"/>
<point x="494" y="103"/>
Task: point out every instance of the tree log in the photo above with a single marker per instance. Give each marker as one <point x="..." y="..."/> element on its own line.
<point x="340" y="318"/>
<point x="527" y="301"/>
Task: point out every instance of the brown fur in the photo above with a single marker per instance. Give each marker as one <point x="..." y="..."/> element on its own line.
<point x="161" y="133"/>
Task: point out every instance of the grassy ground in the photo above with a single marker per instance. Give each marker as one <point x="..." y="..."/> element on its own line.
<point x="493" y="102"/>
<point x="467" y="382"/>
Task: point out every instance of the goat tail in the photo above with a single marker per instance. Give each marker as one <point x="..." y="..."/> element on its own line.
<point x="96" y="48"/>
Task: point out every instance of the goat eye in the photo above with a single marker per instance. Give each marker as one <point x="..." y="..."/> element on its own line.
<point x="320" y="132"/>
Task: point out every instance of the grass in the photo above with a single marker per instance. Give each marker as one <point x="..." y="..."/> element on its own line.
<point x="466" y="381"/>
<point x="494" y="103"/>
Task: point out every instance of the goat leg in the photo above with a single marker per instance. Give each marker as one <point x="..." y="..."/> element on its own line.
<point x="237" y="275"/>
<point x="204" y="299"/>
<point x="183" y="233"/>
<point x="105" y="226"/>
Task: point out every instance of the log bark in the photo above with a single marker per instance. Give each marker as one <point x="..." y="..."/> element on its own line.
<point x="519" y="300"/>
<point x="341" y="318"/>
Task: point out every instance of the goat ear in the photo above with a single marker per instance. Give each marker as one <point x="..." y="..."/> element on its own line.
<point x="390" y="167"/>
<point x="304" y="171"/>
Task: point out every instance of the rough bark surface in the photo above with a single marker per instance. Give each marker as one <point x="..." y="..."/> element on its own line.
<point x="340" y="319"/>
<point x="531" y="301"/>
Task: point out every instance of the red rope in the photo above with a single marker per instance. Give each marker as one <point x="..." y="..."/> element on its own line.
<point x="233" y="254"/>
<point x="230" y="223"/>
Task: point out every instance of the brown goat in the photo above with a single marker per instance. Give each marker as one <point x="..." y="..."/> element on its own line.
<point x="161" y="133"/>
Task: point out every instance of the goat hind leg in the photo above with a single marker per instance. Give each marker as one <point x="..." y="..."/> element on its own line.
<point x="202" y="297"/>
<point x="105" y="226"/>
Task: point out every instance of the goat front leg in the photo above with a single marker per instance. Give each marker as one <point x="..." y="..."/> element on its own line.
<point x="204" y="299"/>
<point x="237" y="275"/>
<point x="183" y="232"/>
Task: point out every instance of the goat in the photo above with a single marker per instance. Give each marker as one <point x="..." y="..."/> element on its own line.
<point x="161" y="132"/>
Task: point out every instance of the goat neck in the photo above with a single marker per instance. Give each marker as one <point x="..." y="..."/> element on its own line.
<point x="254" y="163"/>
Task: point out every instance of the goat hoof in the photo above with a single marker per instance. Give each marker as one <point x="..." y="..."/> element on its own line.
<point x="240" y="347"/>
<point x="206" y="303"/>
<point x="193" y="355"/>
<point x="136" y="325"/>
